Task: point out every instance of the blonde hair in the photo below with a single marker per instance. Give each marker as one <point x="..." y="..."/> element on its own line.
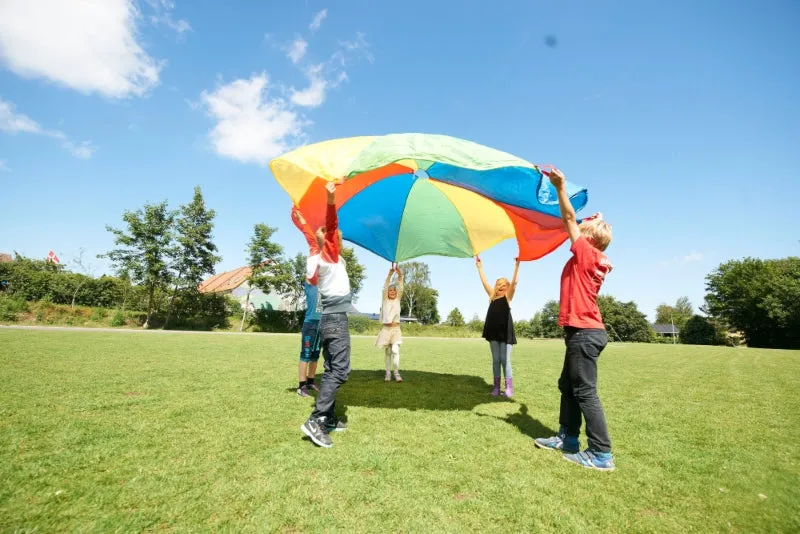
<point x="598" y="232"/>
<point x="494" y="289"/>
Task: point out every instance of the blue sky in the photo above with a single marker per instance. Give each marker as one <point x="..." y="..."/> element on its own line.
<point x="682" y="118"/>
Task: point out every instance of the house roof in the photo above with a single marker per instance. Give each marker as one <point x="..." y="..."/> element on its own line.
<point x="5" y="257"/>
<point x="665" y="329"/>
<point x="227" y="281"/>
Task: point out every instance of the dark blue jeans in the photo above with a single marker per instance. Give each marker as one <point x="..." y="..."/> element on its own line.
<point x="578" y="385"/>
<point x="335" y="334"/>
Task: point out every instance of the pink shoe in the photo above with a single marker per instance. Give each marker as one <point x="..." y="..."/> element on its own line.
<point x="509" y="387"/>
<point x="496" y="390"/>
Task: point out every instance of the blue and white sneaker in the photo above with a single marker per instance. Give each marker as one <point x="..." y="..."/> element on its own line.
<point x="558" y="443"/>
<point x="602" y="461"/>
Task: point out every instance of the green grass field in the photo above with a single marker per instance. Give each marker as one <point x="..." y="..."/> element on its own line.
<point x="125" y="431"/>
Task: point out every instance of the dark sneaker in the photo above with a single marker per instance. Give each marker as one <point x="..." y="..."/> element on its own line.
<point x="557" y="443"/>
<point x="336" y="426"/>
<point x="592" y="460"/>
<point x="315" y="429"/>
<point x="303" y="392"/>
<point x="313" y="387"/>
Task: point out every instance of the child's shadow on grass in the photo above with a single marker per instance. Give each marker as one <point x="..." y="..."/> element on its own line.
<point x="533" y="428"/>
<point x="420" y="390"/>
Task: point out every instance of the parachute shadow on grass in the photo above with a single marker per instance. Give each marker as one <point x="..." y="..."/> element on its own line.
<point x="420" y="390"/>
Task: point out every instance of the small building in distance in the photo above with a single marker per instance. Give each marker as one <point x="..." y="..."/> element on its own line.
<point x="236" y="283"/>
<point x="666" y="330"/>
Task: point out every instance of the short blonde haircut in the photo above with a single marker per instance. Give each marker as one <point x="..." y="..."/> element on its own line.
<point x="598" y="232"/>
<point x="494" y="289"/>
<point x="320" y="234"/>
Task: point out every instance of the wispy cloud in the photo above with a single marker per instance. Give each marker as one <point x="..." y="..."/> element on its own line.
<point x="314" y="94"/>
<point x="316" y="22"/>
<point x="162" y="15"/>
<point x="297" y="49"/>
<point x="252" y="126"/>
<point x="12" y="122"/>
<point x="3" y="166"/>
<point x="86" y="46"/>
<point x="683" y="260"/>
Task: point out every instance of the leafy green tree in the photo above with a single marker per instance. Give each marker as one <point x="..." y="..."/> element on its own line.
<point x="355" y="271"/>
<point x="194" y="254"/>
<point x="455" y="318"/>
<point x="761" y="298"/>
<point x="548" y="319"/>
<point x="624" y="320"/>
<point x="419" y="300"/>
<point x="523" y="329"/>
<point x="144" y="250"/>
<point x="475" y="324"/>
<point x="295" y="290"/>
<point x="677" y="314"/>
<point x="537" y="329"/>
<point x="700" y="330"/>
<point x="271" y="273"/>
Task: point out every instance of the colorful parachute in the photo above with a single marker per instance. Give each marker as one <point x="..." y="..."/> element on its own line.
<point x="410" y="195"/>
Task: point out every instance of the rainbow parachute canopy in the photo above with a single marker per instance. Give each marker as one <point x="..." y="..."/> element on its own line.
<point x="408" y="195"/>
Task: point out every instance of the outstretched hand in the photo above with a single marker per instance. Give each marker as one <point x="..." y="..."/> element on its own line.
<point x="556" y="178"/>
<point x="297" y="217"/>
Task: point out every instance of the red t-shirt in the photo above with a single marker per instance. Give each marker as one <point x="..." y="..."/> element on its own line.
<point x="580" y="282"/>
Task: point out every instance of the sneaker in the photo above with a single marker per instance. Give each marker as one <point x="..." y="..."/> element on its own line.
<point x="335" y="426"/>
<point x="602" y="461"/>
<point x="557" y="443"/>
<point x="303" y="392"/>
<point x="388" y="377"/>
<point x="315" y="429"/>
<point x="313" y="387"/>
<point x="397" y="377"/>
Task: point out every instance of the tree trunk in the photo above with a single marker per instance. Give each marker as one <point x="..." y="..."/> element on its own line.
<point x="244" y="312"/>
<point x="149" y="307"/>
<point x="75" y="295"/>
<point x="171" y="302"/>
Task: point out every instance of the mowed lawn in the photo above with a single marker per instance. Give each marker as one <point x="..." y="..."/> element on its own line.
<point x="125" y="431"/>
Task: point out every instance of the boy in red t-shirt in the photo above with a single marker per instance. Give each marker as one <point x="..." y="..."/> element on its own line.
<point x="585" y="337"/>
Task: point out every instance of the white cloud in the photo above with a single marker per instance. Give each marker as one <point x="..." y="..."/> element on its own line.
<point x="12" y="122"/>
<point x="162" y="15"/>
<point x="297" y="49"/>
<point x="251" y="125"/>
<point x="683" y="260"/>
<point x="3" y="166"/>
<point x="316" y="22"/>
<point x="314" y="94"/>
<point x="359" y="46"/>
<point x="90" y="46"/>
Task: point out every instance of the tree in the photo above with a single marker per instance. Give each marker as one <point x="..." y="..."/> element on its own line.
<point x="417" y="278"/>
<point x="270" y="271"/>
<point x="475" y="324"/>
<point x="537" y="329"/>
<point x="295" y="290"/>
<point x="625" y="320"/>
<point x="194" y="254"/>
<point x="84" y="269"/>
<point x="702" y="331"/>
<point x="355" y="271"/>
<point x="420" y="300"/>
<point x="455" y="318"/>
<point x="677" y="315"/>
<point x="761" y="298"/>
<point x="548" y="319"/>
<point x="145" y="249"/>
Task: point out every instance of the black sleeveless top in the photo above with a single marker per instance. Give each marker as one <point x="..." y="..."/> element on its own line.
<point x="499" y="326"/>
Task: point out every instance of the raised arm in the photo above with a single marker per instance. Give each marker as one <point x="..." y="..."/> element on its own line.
<point x="567" y="211"/>
<point x="330" y="249"/>
<point x="486" y="285"/>
<point x="513" y="288"/>
<point x="399" y="280"/>
<point x="301" y="224"/>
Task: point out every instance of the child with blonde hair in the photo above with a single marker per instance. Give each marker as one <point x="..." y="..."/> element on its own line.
<point x="498" y="329"/>
<point x="585" y="337"/>
<point x="390" y="336"/>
